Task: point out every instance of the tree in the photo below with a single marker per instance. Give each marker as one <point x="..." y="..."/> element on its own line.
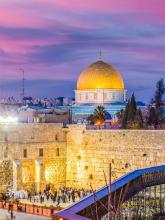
<point x="98" y="117"/>
<point x="125" y="116"/>
<point x="100" y="114"/>
<point x="132" y="109"/>
<point x="131" y="117"/>
<point x="155" y="113"/>
<point x="138" y="122"/>
<point x="120" y="114"/>
<point x="91" y="119"/>
<point x="153" y="117"/>
<point x="160" y="90"/>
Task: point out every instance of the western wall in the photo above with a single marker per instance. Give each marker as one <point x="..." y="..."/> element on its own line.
<point x="36" y="154"/>
<point x="89" y="153"/>
<point x="33" y="155"/>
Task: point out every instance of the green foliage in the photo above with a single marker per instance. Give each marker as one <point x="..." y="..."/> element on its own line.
<point x="139" y="118"/>
<point x="155" y="114"/>
<point x="132" y="109"/>
<point x="91" y="119"/>
<point x="160" y="90"/>
<point x="153" y="117"/>
<point x="125" y="116"/>
<point x="98" y="115"/>
<point x="131" y="117"/>
<point x="120" y="114"/>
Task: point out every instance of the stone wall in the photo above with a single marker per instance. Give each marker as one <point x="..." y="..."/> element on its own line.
<point x="74" y="156"/>
<point x="30" y="169"/>
<point x="6" y="174"/>
<point x="89" y="153"/>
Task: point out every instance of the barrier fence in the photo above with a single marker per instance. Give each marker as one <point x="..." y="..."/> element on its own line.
<point x="29" y="209"/>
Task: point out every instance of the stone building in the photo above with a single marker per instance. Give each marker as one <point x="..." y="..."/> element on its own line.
<point x="38" y="114"/>
<point x="35" y="155"/>
<point x="98" y="84"/>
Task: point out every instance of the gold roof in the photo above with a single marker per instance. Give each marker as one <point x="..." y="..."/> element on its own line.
<point x="100" y="75"/>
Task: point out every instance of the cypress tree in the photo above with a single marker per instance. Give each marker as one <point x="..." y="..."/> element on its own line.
<point x="139" y="118"/>
<point x="125" y="116"/>
<point x="159" y="94"/>
<point x="132" y="117"/>
<point x="155" y="116"/>
<point x="132" y="109"/>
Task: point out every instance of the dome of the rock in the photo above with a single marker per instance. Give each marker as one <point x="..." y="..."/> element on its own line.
<point x="100" y="84"/>
<point x="100" y="75"/>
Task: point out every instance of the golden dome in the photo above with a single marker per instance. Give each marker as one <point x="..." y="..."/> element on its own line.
<point x="100" y="75"/>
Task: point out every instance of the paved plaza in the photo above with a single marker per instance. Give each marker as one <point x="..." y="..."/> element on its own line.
<point x="20" y="216"/>
<point x="48" y="203"/>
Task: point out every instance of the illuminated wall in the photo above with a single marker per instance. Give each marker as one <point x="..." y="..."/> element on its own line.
<point x="73" y="156"/>
<point x="89" y="155"/>
<point x="37" y="153"/>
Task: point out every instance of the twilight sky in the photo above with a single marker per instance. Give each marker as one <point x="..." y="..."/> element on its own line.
<point x="53" y="40"/>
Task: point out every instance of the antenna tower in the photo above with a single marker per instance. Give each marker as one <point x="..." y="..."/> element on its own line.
<point x="23" y="84"/>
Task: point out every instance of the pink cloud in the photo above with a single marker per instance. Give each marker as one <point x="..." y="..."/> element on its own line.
<point x="20" y="17"/>
<point x="70" y="24"/>
<point x="155" y="6"/>
<point x="41" y="13"/>
<point x="24" y="46"/>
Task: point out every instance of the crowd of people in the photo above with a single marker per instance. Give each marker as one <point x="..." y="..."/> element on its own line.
<point x="57" y="198"/>
<point x="63" y="195"/>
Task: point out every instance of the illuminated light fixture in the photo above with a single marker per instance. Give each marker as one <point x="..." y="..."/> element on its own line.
<point x="114" y="121"/>
<point x="98" y="122"/>
<point x="8" y="119"/>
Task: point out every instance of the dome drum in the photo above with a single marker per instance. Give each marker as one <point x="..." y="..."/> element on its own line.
<point x="99" y="96"/>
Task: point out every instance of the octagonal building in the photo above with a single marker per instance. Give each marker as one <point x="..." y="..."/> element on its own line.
<point x="99" y="84"/>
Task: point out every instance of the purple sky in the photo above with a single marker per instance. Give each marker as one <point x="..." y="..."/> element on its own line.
<point x="53" y="40"/>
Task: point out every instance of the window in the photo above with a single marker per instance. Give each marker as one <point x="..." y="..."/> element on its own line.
<point x="25" y="153"/>
<point x="41" y="152"/>
<point x="95" y="95"/>
<point x="105" y="96"/>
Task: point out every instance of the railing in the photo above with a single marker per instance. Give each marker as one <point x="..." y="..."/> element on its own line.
<point x="126" y="186"/>
<point x="30" y="209"/>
